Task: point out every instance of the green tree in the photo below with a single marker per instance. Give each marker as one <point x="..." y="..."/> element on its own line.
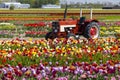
<point x="12" y="7"/>
<point x="39" y="3"/>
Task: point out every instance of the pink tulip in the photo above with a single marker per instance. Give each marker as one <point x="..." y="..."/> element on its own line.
<point x="62" y="78"/>
<point x="83" y="76"/>
<point x="24" y="79"/>
<point x="113" y="78"/>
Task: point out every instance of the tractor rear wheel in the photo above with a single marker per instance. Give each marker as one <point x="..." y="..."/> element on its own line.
<point x="50" y="35"/>
<point x="92" y="30"/>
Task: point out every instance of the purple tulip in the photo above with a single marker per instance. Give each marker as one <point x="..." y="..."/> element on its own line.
<point x="106" y="78"/>
<point x="24" y="69"/>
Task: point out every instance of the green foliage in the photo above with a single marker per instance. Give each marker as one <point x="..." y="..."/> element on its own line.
<point x="39" y="3"/>
<point x="6" y="36"/>
<point x="7" y="26"/>
<point x="12" y="7"/>
<point x="6" y="30"/>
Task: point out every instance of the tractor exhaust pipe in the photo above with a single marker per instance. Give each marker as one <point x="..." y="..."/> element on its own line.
<point x="80" y="12"/>
<point x="91" y="11"/>
<point x="65" y="12"/>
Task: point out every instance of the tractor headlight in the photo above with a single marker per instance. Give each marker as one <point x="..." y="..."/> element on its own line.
<point x="68" y="31"/>
<point x="70" y="28"/>
<point x="55" y="30"/>
<point x="77" y="36"/>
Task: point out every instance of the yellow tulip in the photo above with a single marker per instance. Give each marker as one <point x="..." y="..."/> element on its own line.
<point x="50" y="55"/>
<point x="79" y="50"/>
<point x="18" y="45"/>
<point x="30" y="39"/>
<point x="5" y="54"/>
<point x="19" y="53"/>
<point x="34" y="53"/>
<point x="72" y="48"/>
<point x="65" y="55"/>
<point x="72" y="53"/>
<point x="63" y="49"/>
<point x="69" y="49"/>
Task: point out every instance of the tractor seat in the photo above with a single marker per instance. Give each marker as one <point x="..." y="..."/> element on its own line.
<point x="82" y="20"/>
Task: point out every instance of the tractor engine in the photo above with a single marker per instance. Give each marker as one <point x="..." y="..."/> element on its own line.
<point x="63" y="29"/>
<point x="55" y="26"/>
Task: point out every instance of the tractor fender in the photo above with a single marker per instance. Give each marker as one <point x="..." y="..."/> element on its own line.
<point x="95" y="21"/>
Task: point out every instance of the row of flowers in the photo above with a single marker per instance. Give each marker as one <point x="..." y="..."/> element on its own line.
<point x="63" y="46"/>
<point x="35" y="33"/>
<point x="7" y="30"/>
<point x="105" y="30"/>
<point x="79" y="71"/>
<point x="117" y="23"/>
<point x="31" y="29"/>
<point x="110" y="29"/>
<point x="60" y="59"/>
<point x="38" y="29"/>
<point x="40" y="24"/>
<point x="7" y="26"/>
<point x="26" y="19"/>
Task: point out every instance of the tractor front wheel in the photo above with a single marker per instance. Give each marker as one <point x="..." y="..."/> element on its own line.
<point x="92" y="30"/>
<point x="70" y="35"/>
<point x="50" y="35"/>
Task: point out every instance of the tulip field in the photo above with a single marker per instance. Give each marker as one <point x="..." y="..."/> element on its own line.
<point x="60" y="59"/>
<point x="38" y="29"/>
<point x="26" y="55"/>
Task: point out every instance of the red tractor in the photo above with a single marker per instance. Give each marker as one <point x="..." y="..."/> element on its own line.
<point x="66" y="28"/>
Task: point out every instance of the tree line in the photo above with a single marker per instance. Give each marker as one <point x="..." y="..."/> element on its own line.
<point x="38" y="3"/>
<point x="34" y="3"/>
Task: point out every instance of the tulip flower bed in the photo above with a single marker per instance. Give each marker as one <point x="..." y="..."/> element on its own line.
<point x="110" y="29"/>
<point x="55" y="14"/>
<point x="40" y="29"/>
<point x="60" y="59"/>
<point x="36" y="29"/>
<point x="6" y="30"/>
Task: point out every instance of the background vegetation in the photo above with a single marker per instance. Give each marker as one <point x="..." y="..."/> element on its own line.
<point x="39" y="3"/>
<point x="35" y="3"/>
